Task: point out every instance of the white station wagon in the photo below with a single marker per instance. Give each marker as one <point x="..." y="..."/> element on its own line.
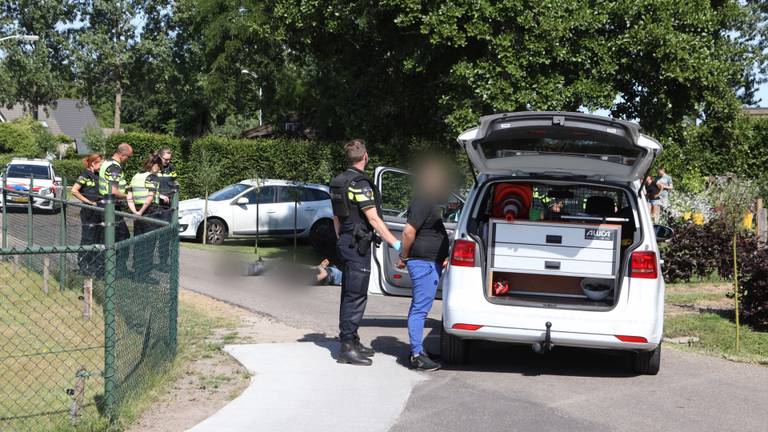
<point x="578" y="267"/>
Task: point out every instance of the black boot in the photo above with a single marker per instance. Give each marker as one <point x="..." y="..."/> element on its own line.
<point x="364" y="350"/>
<point x="349" y="354"/>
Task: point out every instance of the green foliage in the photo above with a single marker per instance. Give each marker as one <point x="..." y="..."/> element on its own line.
<point x="279" y="158"/>
<point x="94" y="138"/>
<point x="25" y="137"/>
<point x="234" y="126"/>
<point x="68" y="169"/>
<point x="144" y="144"/>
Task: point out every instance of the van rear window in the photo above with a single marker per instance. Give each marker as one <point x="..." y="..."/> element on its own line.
<point x="561" y="141"/>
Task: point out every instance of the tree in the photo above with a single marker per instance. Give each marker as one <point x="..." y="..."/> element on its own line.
<point x="206" y="175"/>
<point x="106" y="46"/>
<point x="36" y="74"/>
<point x="433" y="67"/>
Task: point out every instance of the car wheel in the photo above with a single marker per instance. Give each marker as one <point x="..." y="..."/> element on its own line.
<point x="648" y="362"/>
<point x="453" y="349"/>
<point x="322" y="237"/>
<point x="217" y="232"/>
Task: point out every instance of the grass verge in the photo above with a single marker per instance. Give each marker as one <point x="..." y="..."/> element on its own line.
<point x="706" y="312"/>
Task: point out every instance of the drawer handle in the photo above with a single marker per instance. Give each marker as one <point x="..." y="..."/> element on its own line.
<point x="556" y="239"/>
<point x="552" y="265"/>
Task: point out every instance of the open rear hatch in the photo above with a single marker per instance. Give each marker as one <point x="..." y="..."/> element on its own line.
<point x="560" y="144"/>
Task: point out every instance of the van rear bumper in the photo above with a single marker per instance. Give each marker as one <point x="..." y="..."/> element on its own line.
<point x="561" y="338"/>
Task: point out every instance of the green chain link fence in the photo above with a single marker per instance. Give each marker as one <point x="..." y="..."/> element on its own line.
<point x="87" y="316"/>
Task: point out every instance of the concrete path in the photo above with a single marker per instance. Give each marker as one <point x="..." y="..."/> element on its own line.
<point x="300" y="387"/>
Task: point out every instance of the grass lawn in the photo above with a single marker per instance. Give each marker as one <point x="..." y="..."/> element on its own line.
<point x="268" y="248"/>
<point x="704" y="311"/>
<point x="44" y="340"/>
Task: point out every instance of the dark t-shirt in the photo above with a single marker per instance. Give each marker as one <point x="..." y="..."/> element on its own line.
<point x="431" y="242"/>
<point x="652" y="190"/>
<point x="89" y="185"/>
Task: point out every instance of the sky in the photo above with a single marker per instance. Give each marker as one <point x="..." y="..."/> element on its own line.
<point x="763" y="95"/>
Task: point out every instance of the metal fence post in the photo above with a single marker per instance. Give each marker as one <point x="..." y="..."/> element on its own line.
<point x="63" y="235"/>
<point x="5" y="212"/>
<point x="30" y="220"/>
<point x="173" y="287"/>
<point x="110" y="329"/>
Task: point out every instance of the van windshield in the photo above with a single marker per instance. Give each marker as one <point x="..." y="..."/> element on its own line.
<point x="27" y="170"/>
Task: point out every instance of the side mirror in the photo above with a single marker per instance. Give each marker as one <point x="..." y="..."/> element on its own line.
<point x="242" y="201"/>
<point x="57" y="180"/>
<point x="663" y="233"/>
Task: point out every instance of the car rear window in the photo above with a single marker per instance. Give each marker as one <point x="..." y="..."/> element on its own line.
<point x="309" y="194"/>
<point x="27" y="171"/>
<point x="562" y="141"/>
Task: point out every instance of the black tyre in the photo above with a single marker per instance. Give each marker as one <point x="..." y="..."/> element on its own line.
<point x="322" y="237"/>
<point x="453" y="349"/>
<point x="217" y="231"/>
<point x="648" y="362"/>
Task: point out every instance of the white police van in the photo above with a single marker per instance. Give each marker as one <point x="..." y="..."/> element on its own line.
<point x="580" y="268"/>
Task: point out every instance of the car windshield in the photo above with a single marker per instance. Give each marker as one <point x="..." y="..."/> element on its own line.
<point x="228" y="192"/>
<point x="27" y="171"/>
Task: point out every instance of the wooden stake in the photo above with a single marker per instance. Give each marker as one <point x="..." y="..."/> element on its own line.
<point x="15" y="264"/>
<point x="762" y="222"/>
<point x="87" y="297"/>
<point x="736" y="291"/>
<point x="46" y="273"/>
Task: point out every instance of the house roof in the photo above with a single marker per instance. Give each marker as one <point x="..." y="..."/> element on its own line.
<point x="69" y="117"/>
<point x="757" y="112"/>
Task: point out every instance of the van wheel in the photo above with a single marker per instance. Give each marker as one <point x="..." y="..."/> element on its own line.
<point x="453" y="349"/>
<point x="648" y="362"/>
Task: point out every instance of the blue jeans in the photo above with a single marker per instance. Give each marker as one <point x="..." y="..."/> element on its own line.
<point x="425" y="276"/>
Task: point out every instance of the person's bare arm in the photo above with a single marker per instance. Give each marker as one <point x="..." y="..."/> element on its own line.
<point x="336" y="226"/>
<point x="76" y="193"/>
<point x="409" y="236"/>
<point x="131" y="204"/>
<point x="379" y="226"/>
<point x="117" y="194"/>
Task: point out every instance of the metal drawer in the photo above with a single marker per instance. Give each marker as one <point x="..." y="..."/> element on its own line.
<point x="517" y="264"/>
<point x="554" y="235"/>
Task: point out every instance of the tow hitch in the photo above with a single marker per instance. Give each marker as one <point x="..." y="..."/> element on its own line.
<point x="546" y="346"/>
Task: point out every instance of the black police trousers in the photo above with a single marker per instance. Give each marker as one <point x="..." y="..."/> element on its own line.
<point x="354" y="286"/>
<point x="92" y="232"/>
<point x="144" y="252"/>
<point x="121" y="233"/>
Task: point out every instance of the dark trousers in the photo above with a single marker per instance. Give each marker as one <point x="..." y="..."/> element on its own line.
<point x="144" y="252"/>
<point x="92" y="232"/>
<point x="165" y="213"/>
<point x="354" y="287"/>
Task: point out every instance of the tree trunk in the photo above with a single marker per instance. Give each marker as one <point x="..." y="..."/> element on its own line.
<point x="205" y="218"/>
<point x="118" y="106"/>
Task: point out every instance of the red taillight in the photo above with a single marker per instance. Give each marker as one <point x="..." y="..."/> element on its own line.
<point x="471" y="327"/>
<point x="397" y="276"/>
<point x="463" y="253"/>
<point x="635" y="339"/>
<point x="643" y="265"/>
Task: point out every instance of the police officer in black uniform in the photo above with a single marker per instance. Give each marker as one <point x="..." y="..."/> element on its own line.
<point x="357" y="219"/>
<point x="86" y="189"/>
<point x="169" y="185"/>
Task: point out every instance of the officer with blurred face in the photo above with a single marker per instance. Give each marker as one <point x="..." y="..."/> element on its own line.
<point x="357" y="219"/>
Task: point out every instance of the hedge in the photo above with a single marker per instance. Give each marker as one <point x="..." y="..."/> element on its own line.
<point x="68" y="169"/>
<point x="19" y="137"/>
<point x="280" y="158"/>
<point x="143" y="144"/>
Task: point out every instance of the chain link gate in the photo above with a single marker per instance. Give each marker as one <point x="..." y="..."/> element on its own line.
<point x="86" y="316"/>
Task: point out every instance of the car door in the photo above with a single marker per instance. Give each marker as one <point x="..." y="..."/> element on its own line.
<point x="289" y="201"/>
<point x="244" y="214"/>
<point x="395" y="186"/>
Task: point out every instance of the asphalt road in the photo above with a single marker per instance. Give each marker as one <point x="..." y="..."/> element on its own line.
<point x="506" y="388"/>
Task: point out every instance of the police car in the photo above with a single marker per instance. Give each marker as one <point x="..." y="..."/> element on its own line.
<point x="555" y="245"/>
<point x="232" y="212"/>
<point x="20" y="174"/>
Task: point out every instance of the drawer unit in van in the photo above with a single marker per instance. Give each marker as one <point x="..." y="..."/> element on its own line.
<point x="552" y="248"/>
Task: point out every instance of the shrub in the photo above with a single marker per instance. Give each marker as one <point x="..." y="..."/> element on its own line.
<point x="754" y="285"/>
<point x="18" y="138"/>
<point x="281" y="158"/>
<point x="68" y="169"/>
<point x="696" y="251"/>
<point x="143" y="144"/>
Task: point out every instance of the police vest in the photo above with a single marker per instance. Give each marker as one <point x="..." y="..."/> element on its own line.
<point x="341" y="200"/>
<point x="141" y="187"/>
<point x="107" y="177"/>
